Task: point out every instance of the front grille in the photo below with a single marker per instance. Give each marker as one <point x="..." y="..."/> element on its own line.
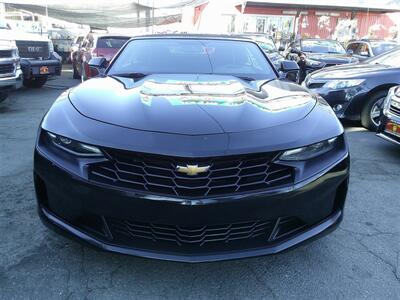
<point x="33" y="49"/>
<point x="6" y="68"/>
<point x="157" y="174"/>
<point x="394" y="110"/>
<point x="5" y="53"/>
<point x="130" y="232"/>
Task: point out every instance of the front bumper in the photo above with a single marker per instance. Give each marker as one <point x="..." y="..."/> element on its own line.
<point x="386" y="134"/>
<point x="346" y="103"/>
<point x="87" y="211"/>
<point x="12" y="82"/>
<point x="31" y="67"/>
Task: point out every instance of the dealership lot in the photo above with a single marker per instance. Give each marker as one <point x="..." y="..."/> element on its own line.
<point x="359" y="260"/>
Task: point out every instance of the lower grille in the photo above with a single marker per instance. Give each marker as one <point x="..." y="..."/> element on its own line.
<point x="5" y="54"/>
<point x="394" y="110"/>
<point x="130" y="232"/>
<point x="158" y="174"/>
<point x="6" y="68"/>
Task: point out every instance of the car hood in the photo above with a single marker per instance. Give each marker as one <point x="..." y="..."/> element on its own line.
<point x="337" y="59"/>
<point x="191" y="104"/>
<point x="361" y="70"/>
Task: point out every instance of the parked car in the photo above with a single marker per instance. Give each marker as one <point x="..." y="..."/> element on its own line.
<point x="191" y="148"/>
<point x="357" y="91"/>
<point x="10" y="70"/>
<point x="95" y="46"/>
<point x="389" y="127"/>
<point x="315" y="54"/>
<point x="364" y="49"/>
<point x="37" y="58"/>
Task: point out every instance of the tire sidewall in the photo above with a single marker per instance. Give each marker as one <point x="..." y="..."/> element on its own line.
<point x="366" y="111"/>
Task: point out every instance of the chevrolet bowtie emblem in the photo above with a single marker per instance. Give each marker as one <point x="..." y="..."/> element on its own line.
<point x="192" y="170"/>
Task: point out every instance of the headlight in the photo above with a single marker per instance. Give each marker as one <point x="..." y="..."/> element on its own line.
<point x="308" y="152"/>
<point x="392" y="99"/>
<point x="314" y="63"/>
<point x="74" y="147"/>
<point x="342" y="84"/>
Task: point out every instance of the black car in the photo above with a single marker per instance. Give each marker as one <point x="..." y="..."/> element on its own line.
<point x="364" y="49"/>
<point x="357" y="91"/>
<point x="191" y="148"/>
<point x="315" y="54"/>
<point x="389" y="127"/>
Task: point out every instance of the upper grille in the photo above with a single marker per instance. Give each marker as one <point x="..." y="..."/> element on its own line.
<point x="5" y="53"/>
<point x="33" y="49"/>
<point x="131" y="232"/>
<point x="6" y="68"/>
<point x="158" y="174"/>
<point x="395" y="110"/>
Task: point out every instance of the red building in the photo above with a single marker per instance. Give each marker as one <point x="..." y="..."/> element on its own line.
<point x="312" y="18"/>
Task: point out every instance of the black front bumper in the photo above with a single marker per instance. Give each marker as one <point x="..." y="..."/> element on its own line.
<point x="89" y="211"/>
<point x="31" y="67"/>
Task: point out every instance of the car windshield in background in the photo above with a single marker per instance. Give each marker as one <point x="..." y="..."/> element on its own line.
<point x="193" y="56"/>
<point x="379" y="47"/>
<point x="111" y="42"/>
<point x="391" y="58"/>
<point x="322" y="46"/>
<point x="266" y="45"/>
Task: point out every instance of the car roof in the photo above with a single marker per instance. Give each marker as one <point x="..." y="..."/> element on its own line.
<point x="373" y="41"/>
<point x="194" y="36"/>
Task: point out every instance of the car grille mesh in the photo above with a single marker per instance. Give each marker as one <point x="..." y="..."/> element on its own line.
<point x="158" y="174"/>
<point x="129" y="232"/>
<point x="33" y="49"/>
<point x="7" y="68"/>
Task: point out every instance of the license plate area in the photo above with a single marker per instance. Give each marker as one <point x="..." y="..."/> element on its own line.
<point x="393" y="128"/>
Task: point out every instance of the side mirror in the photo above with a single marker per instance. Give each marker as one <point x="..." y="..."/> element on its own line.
<point x="350" y="52"/>
<point x="290" y="70"/>
<point x="97" y="65"/>
<point x="288" y="66"/>
<point x="281" y="49"/>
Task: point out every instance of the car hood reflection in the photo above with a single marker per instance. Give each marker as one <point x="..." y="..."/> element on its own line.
<point x="192" y="104"/>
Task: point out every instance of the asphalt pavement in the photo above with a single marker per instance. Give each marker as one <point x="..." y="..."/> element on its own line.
<point x="360" y="260"/>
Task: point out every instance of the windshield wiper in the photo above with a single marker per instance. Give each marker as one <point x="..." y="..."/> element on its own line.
<point x="134" y="75"/>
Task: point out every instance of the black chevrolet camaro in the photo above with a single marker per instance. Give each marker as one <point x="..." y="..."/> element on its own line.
<point x="191" y="148"/>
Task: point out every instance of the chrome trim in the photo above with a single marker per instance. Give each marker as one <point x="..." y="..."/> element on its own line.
<point x="387" y="138"/>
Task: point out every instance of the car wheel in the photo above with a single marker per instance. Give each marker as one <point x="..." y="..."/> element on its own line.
<point x="3" y="96"/>
<point x="37" y="82"/>
<point x="371" y="112"/>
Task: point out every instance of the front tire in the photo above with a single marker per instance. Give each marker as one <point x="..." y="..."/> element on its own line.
<point x="35" y="82"/>
<point x="371" y="111"/>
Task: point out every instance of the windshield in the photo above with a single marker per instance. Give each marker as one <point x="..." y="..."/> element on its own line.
<point x="322" y="46"/>
<point x="391" y="58"/>
<point x="265" y="44"/>
<point x="193" y="56"/>
<point x="379" y="47"/>
<point x="111" y="42"/>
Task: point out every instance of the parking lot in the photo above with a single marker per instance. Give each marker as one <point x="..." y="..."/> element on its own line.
<point x="359" y="260"/>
